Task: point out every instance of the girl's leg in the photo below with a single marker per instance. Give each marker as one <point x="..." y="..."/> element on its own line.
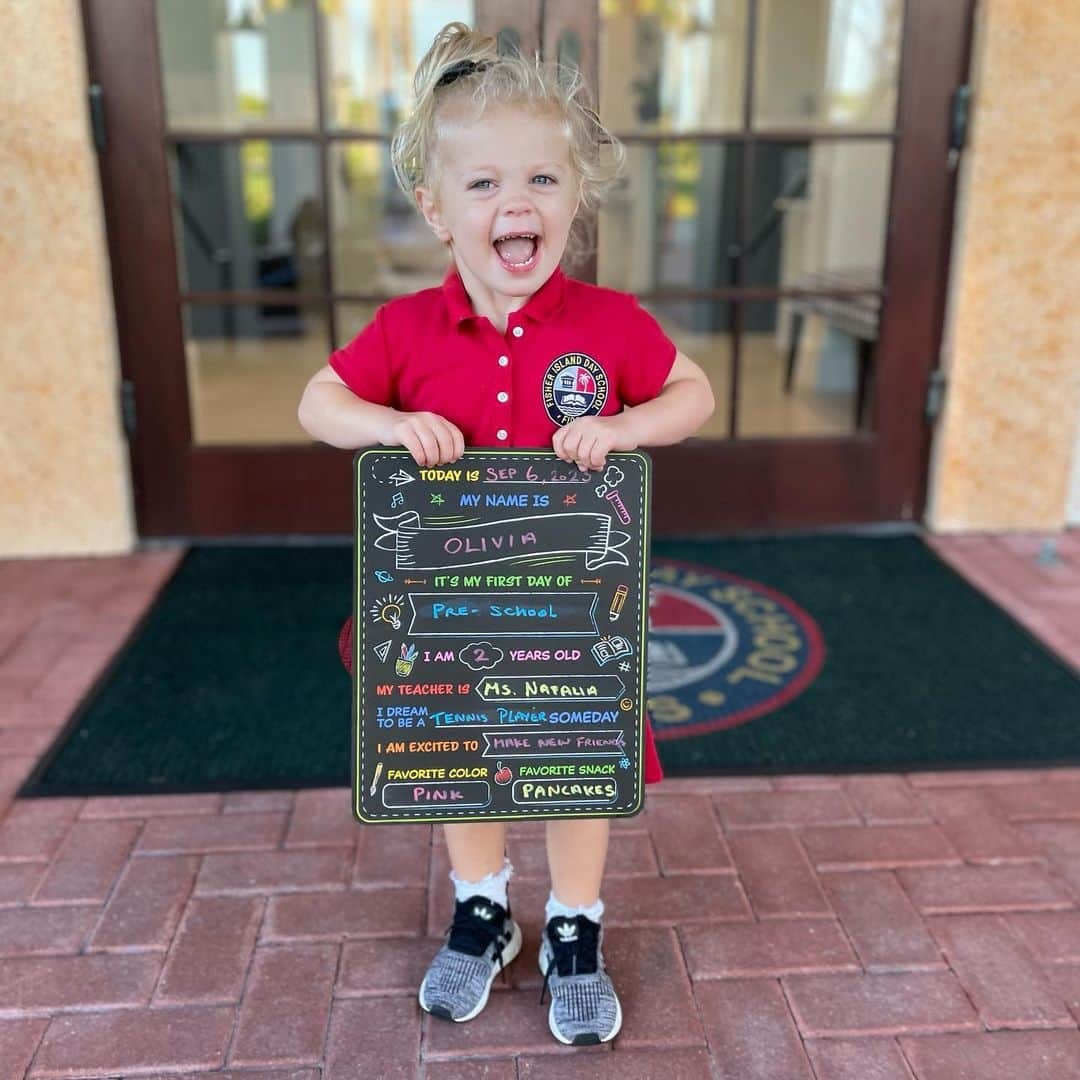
<point x="577" y="851"/>
<point x="584" y="1005"/>
<point x="476" y="848"/>
<point x="483" y="937"/>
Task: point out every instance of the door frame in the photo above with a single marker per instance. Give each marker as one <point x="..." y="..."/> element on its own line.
<point x="755" y="483"/>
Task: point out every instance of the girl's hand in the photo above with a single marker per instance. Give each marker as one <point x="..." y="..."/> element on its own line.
<point x="430" y="438"/>
<point x="588" y="440"/>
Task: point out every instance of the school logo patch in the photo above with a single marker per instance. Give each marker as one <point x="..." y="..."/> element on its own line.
<point x="574" y="385"/>
<point x="722" y="650"/>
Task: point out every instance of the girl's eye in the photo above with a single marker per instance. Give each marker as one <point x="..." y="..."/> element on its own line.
<point x="545" y="178"/>
<point x="482" y="185"/>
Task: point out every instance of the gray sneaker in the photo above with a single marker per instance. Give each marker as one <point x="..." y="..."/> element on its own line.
<point x="584" y="1006"/>
<point x="482" y="940"/>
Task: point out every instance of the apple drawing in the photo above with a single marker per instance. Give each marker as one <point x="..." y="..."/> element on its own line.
<point x="504" y="775"/>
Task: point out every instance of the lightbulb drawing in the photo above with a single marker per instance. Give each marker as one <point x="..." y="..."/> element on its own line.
<point x="388" y="610"/>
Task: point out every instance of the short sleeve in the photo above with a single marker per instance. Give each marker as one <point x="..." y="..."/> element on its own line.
<point x="364" y="364"/>
<point x="647" y="356"/>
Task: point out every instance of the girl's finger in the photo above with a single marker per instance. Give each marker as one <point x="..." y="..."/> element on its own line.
<point x="585" y="450"/>
<point x="430" y="445"/>
<point x="412" y="444"/>
<point x="558" y="443"/>
<point x="581" y="454"/>
<point x="444" y="442"/>
<point x="572" y="444"/>
<point x="599" y="453"/>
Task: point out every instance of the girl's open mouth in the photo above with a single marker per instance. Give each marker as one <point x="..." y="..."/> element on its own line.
<point x="518" y="252"/>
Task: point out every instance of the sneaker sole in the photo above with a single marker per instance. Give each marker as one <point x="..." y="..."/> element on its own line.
<point x="513" y="947"/>
<point x="579" y="1040"/>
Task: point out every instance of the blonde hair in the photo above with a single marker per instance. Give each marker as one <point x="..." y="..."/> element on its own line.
<point x="465" y="65"/>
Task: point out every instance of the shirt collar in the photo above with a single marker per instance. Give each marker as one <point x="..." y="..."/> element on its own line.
<point x="541" y="305"/>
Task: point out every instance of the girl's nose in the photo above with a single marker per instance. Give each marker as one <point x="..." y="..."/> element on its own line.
<point x="518" y="215"/>
<point x="517" y="199"/>
<point x="517" y="204"/>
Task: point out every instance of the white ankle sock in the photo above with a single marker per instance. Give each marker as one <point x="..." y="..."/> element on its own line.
<point x="555" y="907"/>
<point x="493" y="887"/>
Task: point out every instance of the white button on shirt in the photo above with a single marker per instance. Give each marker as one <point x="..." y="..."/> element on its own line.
<point x="503" y="395"/>
<point x="503" y="361"/>
<point x="518" y="331"/>
<point x="501" y="434"/>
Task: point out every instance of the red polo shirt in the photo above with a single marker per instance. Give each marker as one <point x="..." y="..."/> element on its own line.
<point x="572" y="350"/>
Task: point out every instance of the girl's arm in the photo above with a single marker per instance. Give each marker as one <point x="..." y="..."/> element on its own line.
<point x="684" y="403"/>
<point x="333" y="414"/>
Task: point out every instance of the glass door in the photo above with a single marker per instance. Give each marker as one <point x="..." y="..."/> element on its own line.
<point x="785" y="215"/>
<point x="760" y="166"/>
<point x="289" y="226"/>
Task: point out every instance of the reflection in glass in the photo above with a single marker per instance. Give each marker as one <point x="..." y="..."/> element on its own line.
<point x="702" y="329"/>
<point x="817" y="208"/>
<point x="672" y="222"/>
<point x="806" y="367"/>
<point x="352" y="318"/>
<point x="673" y="66"/>
<point x="248" y="215"/>
<point x="247" y="366"/>
<point x="373" y="47"/>
<point x="228" y="64"/>
<point x="380" y="242"/>
<point x="827" y="63"/>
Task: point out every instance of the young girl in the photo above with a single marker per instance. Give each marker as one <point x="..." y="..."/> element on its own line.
<point x="499" y="156"/>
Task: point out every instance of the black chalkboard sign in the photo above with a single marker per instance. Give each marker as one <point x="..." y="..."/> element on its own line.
<point x="499" y="645"/>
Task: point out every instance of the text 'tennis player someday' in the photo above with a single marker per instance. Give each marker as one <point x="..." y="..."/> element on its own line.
<point x="500" y="157"/>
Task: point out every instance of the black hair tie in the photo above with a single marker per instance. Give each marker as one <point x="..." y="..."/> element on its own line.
<point x="459" y="69"/>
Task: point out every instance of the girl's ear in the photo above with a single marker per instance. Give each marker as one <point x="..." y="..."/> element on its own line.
<point x="425" y="200"/>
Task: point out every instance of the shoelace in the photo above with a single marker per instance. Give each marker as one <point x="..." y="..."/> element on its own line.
<point x="472" y="935"/>
<point x="577" y="957"/>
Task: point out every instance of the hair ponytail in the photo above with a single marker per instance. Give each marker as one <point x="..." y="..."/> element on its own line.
<point x="456" y="46"/>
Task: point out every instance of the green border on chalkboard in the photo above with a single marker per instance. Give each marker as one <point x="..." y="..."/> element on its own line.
<point x="358" y="635"/>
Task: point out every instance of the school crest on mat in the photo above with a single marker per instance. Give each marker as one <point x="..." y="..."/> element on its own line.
<point x="574" y="385"/>
<point x="723" y="649"/>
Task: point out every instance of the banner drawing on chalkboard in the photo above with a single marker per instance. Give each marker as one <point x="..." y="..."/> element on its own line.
<point x="500" y="615"/>
<point x="441" y="547"/>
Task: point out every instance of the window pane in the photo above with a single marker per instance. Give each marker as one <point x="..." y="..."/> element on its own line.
<point x="247" y="366"/>
<point x="351" y="319"/>
<point x="672" y="221"/>
<point x="231" y="64"/>
<point x="373" y="48"/>
<point x="380" y="242"/>
<point x="675" y="66"/>
<point x="248" y="215"/>
<point x="817" y="208"/>
<point x="802" y="364"/>
<point x="702" y="329"/>
<point x="827" y="63"/>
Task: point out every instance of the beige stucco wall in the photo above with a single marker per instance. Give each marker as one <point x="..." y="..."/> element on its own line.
<point x="64" y="471"/>
<point x="1072" y="511"/>
<point x="1003" y="452"/>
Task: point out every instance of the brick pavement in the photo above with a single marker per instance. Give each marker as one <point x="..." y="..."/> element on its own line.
<point x="921" y="925"/>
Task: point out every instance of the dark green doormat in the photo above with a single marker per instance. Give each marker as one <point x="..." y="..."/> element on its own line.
<point x="813" y="653"/>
